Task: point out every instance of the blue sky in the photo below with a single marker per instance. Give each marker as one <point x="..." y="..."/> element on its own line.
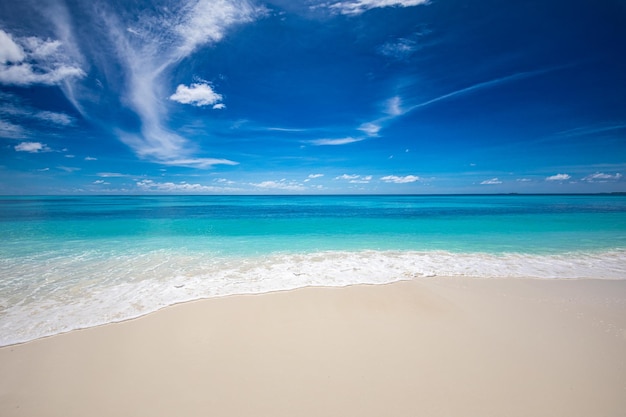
<point x="312" y="96"/>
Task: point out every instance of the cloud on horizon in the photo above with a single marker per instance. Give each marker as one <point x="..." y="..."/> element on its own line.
<point x="492" y="181"/>
<point x="400" y="180"/>
<point x="602" y="177"/>
<point x="559" y="177"/>
<point x="181" y="187"/>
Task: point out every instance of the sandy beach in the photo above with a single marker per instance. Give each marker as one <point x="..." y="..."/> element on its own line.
<point x="431" y="347"/>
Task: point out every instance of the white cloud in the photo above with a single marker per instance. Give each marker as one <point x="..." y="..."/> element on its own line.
<point x="199" y="162"/>
<point x="11" y="131"/>
<point x="206" y="21"/>
<point x="523" y="180"/>
<point x="181" y="187"/>
<point x="224" y="181"/>
<point x="27" y="61"/>
<point x="280" y="185"/>
<point x="198" y="94"/>
<point x="283" y="129"/>
<point x="90" y="158"/>
<point x="15" y="111"/>
<point x="354" y="7"/>
<point x="219" y="106"/>
<point x="32" y="147"/>
<point x="602" y="177"/>
<point x="370" y="128"/>
<point x="146" y="56"/>
<point x="111" y="175"/>
<point x="492" y="181"/>
<point x="558" y="177"/>
<point x="53" y="117"/>
<point x="101" y="182"/>
<point x="335" y="142"/>
<point x="10" y="52"/>
<point x="362" y="180"/>
<point x="313" y="176"/>
<point x="400" y="180"/>
<point x="68" y="169"/>
<point x="399" y="49"/>
<point x="393" y="107"/>
<point x="347" y="177"/>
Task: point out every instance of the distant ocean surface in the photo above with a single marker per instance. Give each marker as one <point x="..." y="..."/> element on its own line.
<point x="75" y="262"/>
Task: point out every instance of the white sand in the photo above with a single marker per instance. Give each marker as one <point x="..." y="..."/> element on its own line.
<point x="428" y="347"/>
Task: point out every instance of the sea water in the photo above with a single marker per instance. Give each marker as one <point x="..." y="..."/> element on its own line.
<point x="75" y="262"/>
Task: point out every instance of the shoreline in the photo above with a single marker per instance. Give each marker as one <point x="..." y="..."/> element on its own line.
<point x="430" y="346"/>
<point x="86" y="292"/>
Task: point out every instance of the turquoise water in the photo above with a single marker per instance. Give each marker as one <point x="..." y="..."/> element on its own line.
<point x="70" y="262"/>
<point x="260" y="225"/>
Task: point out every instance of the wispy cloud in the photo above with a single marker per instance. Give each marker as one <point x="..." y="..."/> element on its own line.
<point x="181" y="187"/>
<point x="492" y="181"/>
<point x="32" y="147"/>
<point x="602" y="177"/>
<point x="391" y="108"/>
<point x="558" y="177"/>
<point x="400" y="180"/>
<point x="355" y="179"/>
<point x="371" y="128"/>
<point x="399" y="49"/>
<point x="355" y="7"/>
<point x="283" y="184"/>
<point x="21" y="111"/>
<point x="15" y="114"/>
<point x="313" y="177"/>
<point x="362" y="180"/>
<point x="403" y="48"/>
<point x="395" y="106"/>
<point x="12" y="131"/>
<point x="61" y="119"/>
<point x="592" y="130"/>
<point x="31" y="60"/>
<point x="69" y="169"/>
<point x="479" y="86"/>
<point x="283" y="129"/>
<point x="347" y="177"/>
<point x="198" y="162"/>
<point x="145" y="52"/>
<point x="111" y="175"/>
<point x="334" y="142"/>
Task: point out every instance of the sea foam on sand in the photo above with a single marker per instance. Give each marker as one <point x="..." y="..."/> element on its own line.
<point x="57" y="295"/>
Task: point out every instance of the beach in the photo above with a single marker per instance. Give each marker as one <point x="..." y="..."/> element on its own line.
<point x="436" y="346"/>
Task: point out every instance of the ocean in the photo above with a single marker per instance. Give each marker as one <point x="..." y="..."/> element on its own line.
<point x="74" y="262"/>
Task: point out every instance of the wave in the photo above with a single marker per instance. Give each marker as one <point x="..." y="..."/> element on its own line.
<point x="46" y="296"/>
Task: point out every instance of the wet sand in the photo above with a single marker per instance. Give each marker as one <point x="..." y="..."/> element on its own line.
<point x="431" y="347"/>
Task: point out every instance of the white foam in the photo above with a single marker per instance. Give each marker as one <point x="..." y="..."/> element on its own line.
<point x="42" y="297"/>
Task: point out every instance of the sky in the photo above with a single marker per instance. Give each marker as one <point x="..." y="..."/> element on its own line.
<point x="312" y="96"/>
